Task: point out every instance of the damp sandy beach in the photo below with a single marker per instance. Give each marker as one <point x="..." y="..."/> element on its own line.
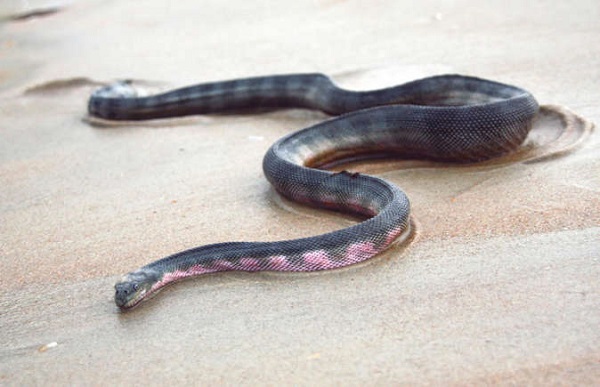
<point x="498" y="284"/>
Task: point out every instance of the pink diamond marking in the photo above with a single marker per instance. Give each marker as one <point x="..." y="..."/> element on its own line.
<point x="316" y="260"/>
<point x="393" y="234"/>
<point x="358" y="252"/>
<point x="280" y="262"/>
<point x="250" y="264"/>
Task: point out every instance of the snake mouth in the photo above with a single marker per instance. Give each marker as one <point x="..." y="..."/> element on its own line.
<point x="128" y="305"/>
<point x="134" y="302"/>
<point x="134" y="299"/>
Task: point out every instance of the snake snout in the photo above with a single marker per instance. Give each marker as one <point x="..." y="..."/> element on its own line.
<point x="125" y="292"/>
<point x="134" y="287"/>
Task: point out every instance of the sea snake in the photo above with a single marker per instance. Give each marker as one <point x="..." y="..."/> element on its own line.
<point x="450" y="118"/>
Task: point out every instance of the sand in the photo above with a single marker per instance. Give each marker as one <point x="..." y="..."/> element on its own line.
<point x="499" y="283"/>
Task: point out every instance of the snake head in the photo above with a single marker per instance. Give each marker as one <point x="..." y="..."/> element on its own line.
<point x="134" y="288"/>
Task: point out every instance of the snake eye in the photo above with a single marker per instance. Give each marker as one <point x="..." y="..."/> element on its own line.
<point x="135" y="287"/>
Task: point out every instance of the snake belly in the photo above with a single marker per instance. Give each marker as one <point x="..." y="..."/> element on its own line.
<point x="450" y="118"/>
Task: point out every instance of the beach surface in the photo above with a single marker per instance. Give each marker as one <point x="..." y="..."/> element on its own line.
<point x="499" y="282"/>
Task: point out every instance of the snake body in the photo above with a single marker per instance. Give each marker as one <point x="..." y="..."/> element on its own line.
<point x="450" y="118"/>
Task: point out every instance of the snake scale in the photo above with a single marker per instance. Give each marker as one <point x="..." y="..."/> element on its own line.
<point x="451" y="118"/>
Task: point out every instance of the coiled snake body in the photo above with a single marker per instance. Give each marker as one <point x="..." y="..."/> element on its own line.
<point x="447" y="118"/>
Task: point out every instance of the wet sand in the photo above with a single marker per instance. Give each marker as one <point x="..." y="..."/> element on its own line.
<point x="498" y="285"/>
